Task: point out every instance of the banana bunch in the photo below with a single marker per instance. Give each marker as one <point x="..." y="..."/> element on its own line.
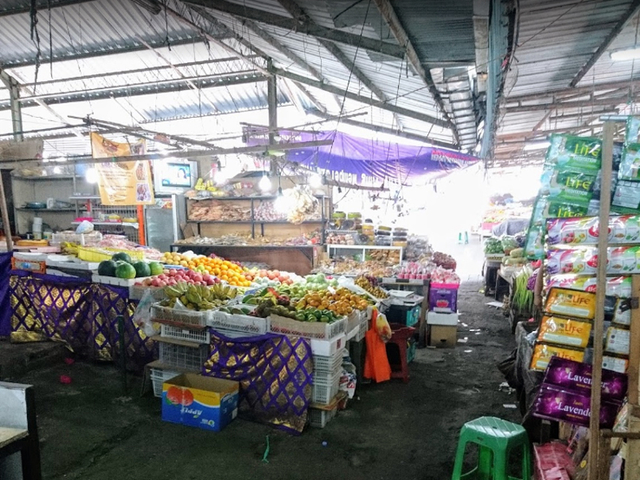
<point x="198" y="297"/>
<point x="205" y="185"/>
<point x="69" y="248"/>
<point x="375" y="291"/>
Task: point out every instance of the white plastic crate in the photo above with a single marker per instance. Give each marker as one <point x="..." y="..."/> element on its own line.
<point x="245" y="325"/>
<point x="322" y="364"/>
<point x="323" y="393"/>
<point x="158" y="377"/>
<point x="319" y="330"/>
<point x="178" y="315"/>
<point x="327" y="348"/>
<point x="183" y="356"/>
<point x="364" y="326"/>
<point x="189" y="335"/>
<point x="320" y="418"/>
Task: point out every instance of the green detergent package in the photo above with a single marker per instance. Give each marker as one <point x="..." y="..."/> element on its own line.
<point x="569" y="152"/>
<point x="630" y="163"/>
<point x="632" y="134"/>
<point x="567" y="184"/>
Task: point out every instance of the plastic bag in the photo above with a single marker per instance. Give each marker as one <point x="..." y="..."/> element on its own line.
<point x="142" y="316"/>
<point x="85" y="227"/>
<point x="383" y="329"/>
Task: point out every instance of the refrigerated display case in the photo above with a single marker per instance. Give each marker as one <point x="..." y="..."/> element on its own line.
<point x="163" y="221"/>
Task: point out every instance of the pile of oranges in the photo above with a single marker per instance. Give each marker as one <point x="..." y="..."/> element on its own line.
<point x="225" y="270"/>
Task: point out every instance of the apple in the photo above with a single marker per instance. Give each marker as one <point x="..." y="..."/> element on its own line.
<point x="155" y="282"/>
<point x="162" y="283"/>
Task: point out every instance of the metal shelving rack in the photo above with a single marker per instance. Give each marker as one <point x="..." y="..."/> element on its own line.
<point x="253" y="222"/>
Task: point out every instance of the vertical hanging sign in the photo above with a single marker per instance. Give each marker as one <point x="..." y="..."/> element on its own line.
<point x="122" y="183"/>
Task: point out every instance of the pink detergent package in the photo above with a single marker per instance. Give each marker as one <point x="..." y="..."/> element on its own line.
<point x="616" y="286"/>
<point x="575" y="261"/>
<point x="556" y="404"/>
<point x="576" y="376"/>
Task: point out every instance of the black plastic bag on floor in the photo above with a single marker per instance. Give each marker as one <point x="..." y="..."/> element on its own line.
<point x="508" y="368"/>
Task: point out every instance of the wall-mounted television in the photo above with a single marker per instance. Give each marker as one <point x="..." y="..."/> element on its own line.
<point x="175" y="175"/>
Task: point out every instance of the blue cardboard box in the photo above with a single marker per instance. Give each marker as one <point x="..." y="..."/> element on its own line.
<point x="198" y="401"/>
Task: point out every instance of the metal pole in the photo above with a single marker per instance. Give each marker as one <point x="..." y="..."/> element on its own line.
<point x="272" y="103"/>
<point x="598" y="323"/>
<point x="16" y="122"/>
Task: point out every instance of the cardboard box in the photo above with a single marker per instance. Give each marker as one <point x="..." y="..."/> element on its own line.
<point x="444" y="319"/>
<point x="198" y="401"/>
<point x="443" y="298"/>
<point x="443" y="336"/>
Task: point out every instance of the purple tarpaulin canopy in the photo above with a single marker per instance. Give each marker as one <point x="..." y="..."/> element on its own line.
<point x="364" y="161"/>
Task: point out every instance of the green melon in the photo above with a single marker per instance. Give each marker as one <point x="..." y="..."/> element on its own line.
<point x="125" y="270"/>
<point x="156" y="268"/>
<point x="107" y="268"/>
<point x="142" y="269"/>
<point x="122" y="256"/>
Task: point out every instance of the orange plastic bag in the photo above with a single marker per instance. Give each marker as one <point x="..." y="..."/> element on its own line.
<point x="376" y="365"/>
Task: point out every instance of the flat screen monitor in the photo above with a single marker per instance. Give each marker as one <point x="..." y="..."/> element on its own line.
<point x="176" y="175"/>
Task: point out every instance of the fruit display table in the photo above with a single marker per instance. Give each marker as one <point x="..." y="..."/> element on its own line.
<point x="300" y="259"/>
<point x="81" y="313"/>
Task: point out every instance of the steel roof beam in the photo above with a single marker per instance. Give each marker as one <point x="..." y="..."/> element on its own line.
<point x="571" y="91"/>
<point x="139" y="89"/>
<point x="103" y="50"/>
<point x="613" y="34"/>
<point x="41" y="6"/>
<point x="612" y="102"/>
<point x="387" y="130"/>
<point x="392" y="20"/>
<point x="299" y="26"/>
<point x="361" y="98"/>
<point x="298" y="13"/>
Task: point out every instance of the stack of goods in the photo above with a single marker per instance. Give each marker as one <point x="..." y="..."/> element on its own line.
<point x="304" y="206"/>
<point x="565" y="327"/>
<point x="565" y="394"/>
<point x="570" y="186"/>
<point x="234" y="240"/>
<point x="327" y="371"/>
<point x="216" y="211"/>
<point x="183" y="343"/>
<point x="266" y="212"/>
<point x="414" y="271"/>
<point x="444" y="260"/>
<point x="383" y="236"/>
<point x="399" y="237"/>
<point x="346" y="266"/>
<point x="121" y="269"/>
<point x="417" y="248"/>
<point x="339" y="238"/>
<point x="442" y="317"/>
<point x="368" y="231"/>
<point x="493" y="248"/>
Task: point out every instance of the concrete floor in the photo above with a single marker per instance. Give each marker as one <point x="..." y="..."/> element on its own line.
<point x="93" y="430"/>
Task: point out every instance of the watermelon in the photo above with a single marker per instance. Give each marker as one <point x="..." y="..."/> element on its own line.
<point x="125" y="270"/>
<point x="107" y="268"/>
<point x="156" y="268"/>
<point x="142" y="269"/>
<point x="122" y="256"/>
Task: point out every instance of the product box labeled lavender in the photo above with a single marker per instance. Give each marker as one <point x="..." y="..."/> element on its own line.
<point x="556" y="404"/>
<point x="576" y="376"/>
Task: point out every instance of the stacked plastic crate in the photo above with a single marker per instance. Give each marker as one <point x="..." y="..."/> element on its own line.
<point x="327" y="370"/>
<point x="183" y="344"/>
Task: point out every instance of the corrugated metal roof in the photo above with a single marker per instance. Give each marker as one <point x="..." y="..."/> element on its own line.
<point x="554" y="41"/>
<point x="95" y="26"/>
<point x="88" y="27"/>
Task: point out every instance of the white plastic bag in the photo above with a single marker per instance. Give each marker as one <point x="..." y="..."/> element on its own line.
<point x="142" y="315"/>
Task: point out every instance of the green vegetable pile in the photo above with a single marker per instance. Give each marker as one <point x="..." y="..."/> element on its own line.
<point x="493" y="246"/>
<point x="522" y="297"/>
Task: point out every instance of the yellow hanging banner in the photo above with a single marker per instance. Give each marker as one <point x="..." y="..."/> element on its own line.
<point x="122" y="183"/>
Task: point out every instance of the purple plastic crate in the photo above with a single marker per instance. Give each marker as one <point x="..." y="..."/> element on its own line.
<point x="443" y="298"/>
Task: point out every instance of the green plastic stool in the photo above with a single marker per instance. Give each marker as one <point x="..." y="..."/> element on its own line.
<point x="496" y="439"/>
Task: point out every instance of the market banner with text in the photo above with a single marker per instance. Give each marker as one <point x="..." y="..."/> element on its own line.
<point x="122" y="183"/>
<point x="363" y="161"/>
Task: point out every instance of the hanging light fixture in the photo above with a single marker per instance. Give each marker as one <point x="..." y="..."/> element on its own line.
<point x="265" y="183"/>
<point x="91" y="175"/>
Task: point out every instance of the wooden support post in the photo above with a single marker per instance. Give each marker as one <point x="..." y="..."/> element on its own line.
<point x="598" y="324"/>
<point x="5" y="217"/>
